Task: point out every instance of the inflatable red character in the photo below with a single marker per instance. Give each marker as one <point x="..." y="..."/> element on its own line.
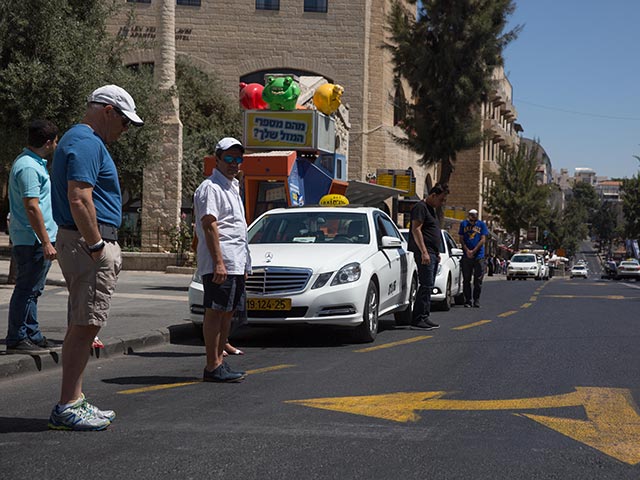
<point x="251" y="96"/>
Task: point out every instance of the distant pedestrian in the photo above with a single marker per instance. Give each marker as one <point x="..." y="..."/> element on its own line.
<point x="33" y="237"/>
<point x="223" y="255"/>
<point x="473" y="235"/>
<point x="425" y="241"/>
<point x="87" y="206"/>
<point x="490" y="265"/>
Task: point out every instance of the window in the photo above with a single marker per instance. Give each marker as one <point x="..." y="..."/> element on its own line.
<point x="315" y="6"/>
<point x="267" y="4"/>
<point x="190" y="3"/>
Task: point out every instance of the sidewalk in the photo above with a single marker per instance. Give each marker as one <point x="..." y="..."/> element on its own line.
<point x="120" y="336"/>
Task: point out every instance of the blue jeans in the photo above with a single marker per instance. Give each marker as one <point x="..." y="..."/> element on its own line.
<point x="32" y="269"/>
<point x="426" y="280"/>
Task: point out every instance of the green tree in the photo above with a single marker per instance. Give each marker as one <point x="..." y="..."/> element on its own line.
<point x="631" y="206"/>
<point x="605" y="225"/>
<point x="207" y="115"/>
<point x="447" y="56"/>
<point x="52" y="55"/>
<point x="515" y="196"/>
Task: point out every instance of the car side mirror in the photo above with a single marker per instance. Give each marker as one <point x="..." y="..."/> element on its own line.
<point x="391" y="242"/>
<point x="457" y="252"/>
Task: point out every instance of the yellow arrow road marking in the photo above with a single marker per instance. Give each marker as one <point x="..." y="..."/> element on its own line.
<point x="166" y="386"/>
<point x="506" y="314"/>
<point x="394" y="344"/>
<point x="613" y="424"/>
<point x="471" y="325"/>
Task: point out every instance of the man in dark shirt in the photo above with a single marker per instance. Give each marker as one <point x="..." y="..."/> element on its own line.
<point x="425" y="241"/>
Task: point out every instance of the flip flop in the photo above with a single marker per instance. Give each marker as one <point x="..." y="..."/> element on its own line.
<point x="236" y="351"/>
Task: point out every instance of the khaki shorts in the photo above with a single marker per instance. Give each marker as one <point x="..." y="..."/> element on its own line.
<point x="90" y="282"/>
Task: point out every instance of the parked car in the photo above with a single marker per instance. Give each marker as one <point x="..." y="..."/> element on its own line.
<point x="629" y="269"/>
<point x="609" y="270"/>
<point x="579" y="271"/>
<point x="342" y="266"/>
<point x="523" y="266"/>
<point x="447" y="288"/>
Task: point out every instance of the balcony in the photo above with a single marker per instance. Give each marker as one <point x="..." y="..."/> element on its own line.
<point x="509" y="111"/>
<point x="495" y="130"/>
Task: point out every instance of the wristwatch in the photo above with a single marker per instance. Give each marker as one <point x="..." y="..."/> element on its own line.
<point x="97" y="247"/>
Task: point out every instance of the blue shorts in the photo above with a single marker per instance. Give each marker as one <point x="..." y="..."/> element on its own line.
<point x="224" y="297"/>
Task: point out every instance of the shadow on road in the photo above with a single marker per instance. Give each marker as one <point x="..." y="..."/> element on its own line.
<point x="18" y="425"/>
<point x="149" y="380"/>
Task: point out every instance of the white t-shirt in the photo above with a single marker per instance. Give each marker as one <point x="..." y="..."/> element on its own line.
<point x="220" y="197"/>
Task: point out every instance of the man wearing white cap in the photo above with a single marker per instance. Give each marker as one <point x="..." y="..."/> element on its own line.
<point x="87" y="206"/>
<point x="223" y="255"/>
<point x="473" y="235"/>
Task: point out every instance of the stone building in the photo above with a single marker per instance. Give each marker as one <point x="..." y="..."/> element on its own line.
<point x="340" y="40"/>
<point x="471" y="179"/>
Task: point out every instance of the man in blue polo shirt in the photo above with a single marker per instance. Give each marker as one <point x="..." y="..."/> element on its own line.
<point x="33" y="234"/>
<point x="473" y="235"/>
<point x="87" y="208"/>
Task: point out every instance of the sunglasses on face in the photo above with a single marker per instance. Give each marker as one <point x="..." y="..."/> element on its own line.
<point x="230" y="159"/>
<point x="125" y="120"/>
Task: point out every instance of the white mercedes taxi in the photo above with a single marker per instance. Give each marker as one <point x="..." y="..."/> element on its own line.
<point x="342" y="266"/>
<point x="523" y="266"/>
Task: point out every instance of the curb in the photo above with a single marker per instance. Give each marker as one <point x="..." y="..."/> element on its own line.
<point x="12" y="366"/>
<point x="58" y="282"/>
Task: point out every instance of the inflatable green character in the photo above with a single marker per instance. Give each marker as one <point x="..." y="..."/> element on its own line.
<point x="281" y="93"/>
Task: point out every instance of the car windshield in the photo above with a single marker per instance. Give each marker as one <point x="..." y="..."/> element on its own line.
<point x="579" y="267"/>
<point x="523" y="259"/>
<point x="337" y="227"/>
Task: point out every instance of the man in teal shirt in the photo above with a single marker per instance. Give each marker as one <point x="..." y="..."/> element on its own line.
<point x="33" y="234"/>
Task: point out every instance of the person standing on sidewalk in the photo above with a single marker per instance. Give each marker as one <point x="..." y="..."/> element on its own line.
<point x="425" y="242"/>
<point x="33" y="235"/>
<point x="87" y="206"/>
<point x="473" y="234"/>
<point x="223" y="255"/>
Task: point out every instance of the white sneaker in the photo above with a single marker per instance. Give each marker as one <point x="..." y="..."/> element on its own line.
<point x="108" y="414"/>
<point x="76" y="417"/>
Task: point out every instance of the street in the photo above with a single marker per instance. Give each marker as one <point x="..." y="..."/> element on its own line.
<point x="541" y="382"/>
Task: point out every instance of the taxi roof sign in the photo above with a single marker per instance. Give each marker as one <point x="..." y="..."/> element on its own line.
<point x="334" y="200"/>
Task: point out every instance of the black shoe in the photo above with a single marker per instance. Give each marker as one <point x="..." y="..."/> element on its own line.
<point x="476" y="304"/>
<point x="44" y="343"/>
<point x="467" y="305"/>
<point x="221" y="375"/>
<point x="27" y="347"/>
<point x="425" y="325"/>
<point x="228" y="369"/>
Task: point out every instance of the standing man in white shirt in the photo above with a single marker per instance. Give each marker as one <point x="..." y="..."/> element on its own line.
<point x="223" y="255"/>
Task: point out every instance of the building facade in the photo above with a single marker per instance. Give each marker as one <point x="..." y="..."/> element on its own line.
<point x="340" y="40"/>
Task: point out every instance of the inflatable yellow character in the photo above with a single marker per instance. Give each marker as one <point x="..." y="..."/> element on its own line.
<point x="327" y="98"/>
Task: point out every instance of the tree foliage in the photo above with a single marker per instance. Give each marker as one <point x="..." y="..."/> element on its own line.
<point x="52" y="55"/>
<point x="515" y="196"/>
<point x="631" y="206"/>
<point x="447" y="56"/>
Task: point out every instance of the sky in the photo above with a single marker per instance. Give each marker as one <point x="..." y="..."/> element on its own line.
<point x="575" y="72"/>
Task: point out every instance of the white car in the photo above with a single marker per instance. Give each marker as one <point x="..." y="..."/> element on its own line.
<point x="578" y="271"/>
<point x="342" y="266"/>
<point x="544" y="268"/>
<point x="447" y="287"/>
<point x="523" y="266"/>
<point x="629" y="269"/>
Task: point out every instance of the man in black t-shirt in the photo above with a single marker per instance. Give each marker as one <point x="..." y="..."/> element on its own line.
<point x="425" y="241"/>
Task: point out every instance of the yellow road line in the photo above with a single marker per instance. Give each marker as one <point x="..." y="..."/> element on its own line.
<point x="525" y="305"/>
<point x="394" y="344"/>
<point x="533" y="299"/>
<point x="167" y="386"/>
<point x="471" y="325"/>
<point x="506" y="314"/>
<point x="605" y="297"/>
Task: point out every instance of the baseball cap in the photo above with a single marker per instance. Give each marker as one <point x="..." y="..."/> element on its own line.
<point x="473" y="211"/>
<point x="117" y="97"/>
<point x="228" y="142"/>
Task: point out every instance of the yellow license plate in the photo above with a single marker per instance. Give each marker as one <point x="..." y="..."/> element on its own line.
<point x="268" y="304"/>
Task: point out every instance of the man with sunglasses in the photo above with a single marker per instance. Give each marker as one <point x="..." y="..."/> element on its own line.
<point x="87" y="206"/>
<point x="223" y="255"/>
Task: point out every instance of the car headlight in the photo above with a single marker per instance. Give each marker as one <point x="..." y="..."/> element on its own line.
<point x="322" y="279"/>
<point x="347" y="274"/>
<point x="439" y="269"/>
<point x="533" y="268"/>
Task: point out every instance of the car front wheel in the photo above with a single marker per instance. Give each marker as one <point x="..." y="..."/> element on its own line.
<point x="366" y="332"/>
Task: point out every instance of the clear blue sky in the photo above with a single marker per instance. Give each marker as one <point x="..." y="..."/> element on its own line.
<point x="579" y="56"/>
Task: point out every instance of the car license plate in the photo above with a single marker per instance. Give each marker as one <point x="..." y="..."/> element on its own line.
<point x="268" y="304"/>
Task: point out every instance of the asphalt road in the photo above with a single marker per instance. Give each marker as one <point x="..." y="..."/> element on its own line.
<point x="540" y="383"/>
